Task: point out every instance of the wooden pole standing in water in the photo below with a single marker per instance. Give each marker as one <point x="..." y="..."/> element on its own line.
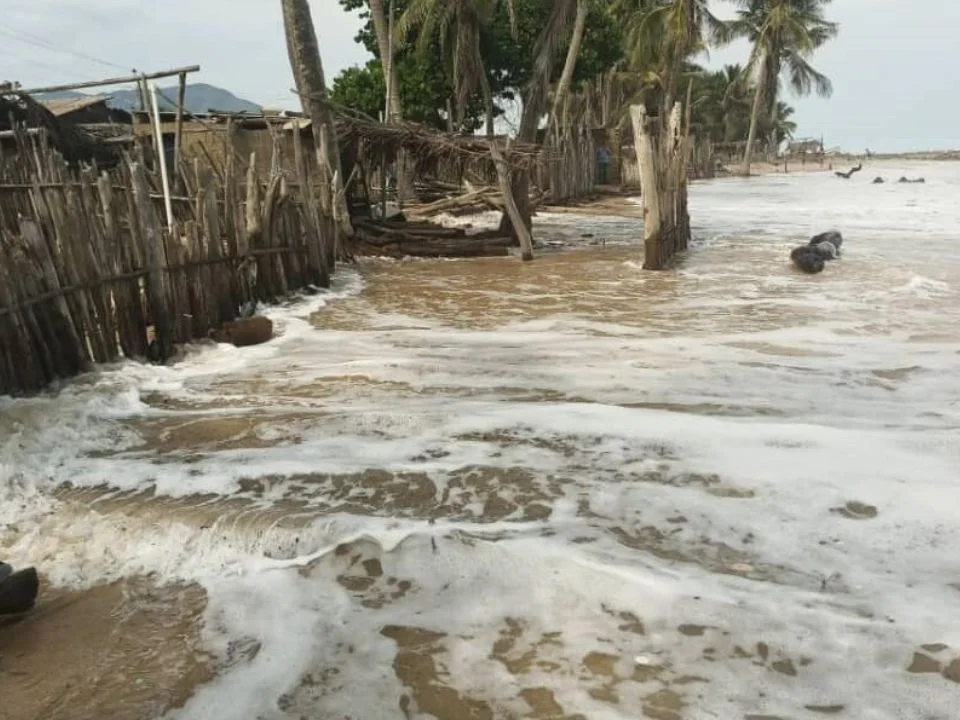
<point x="510" y="204"/>
<point x="662" y="156"/>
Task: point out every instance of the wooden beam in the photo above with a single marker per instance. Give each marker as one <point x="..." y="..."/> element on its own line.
<point x="111" y="81"/>
<point x="178" y="133"/>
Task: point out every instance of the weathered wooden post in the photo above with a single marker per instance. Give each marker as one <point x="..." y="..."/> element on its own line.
<point x="156" y="262"/>
<point x="178" y="132"/>
<point x="662" y="159"/>
<point x="510" y="204"/>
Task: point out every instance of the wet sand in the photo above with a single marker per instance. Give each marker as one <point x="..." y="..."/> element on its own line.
<point x="125" y="651"/>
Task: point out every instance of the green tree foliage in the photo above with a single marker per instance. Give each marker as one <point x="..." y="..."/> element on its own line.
<point x="632" y="51"/>
<point x="507" y="47"/>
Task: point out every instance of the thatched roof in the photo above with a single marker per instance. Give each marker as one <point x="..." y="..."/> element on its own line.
<point x="424" y="144"/>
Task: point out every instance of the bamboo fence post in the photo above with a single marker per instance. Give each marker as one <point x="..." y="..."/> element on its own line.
<point x="156" y="263"/>
<point x="72" y="346"/>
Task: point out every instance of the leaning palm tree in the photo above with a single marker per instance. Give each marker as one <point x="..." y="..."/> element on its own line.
<point x="784" y="35"/>
<point x="573" y="51"/>
<point x="534" y="96"/>
<point x="457" y="25"/>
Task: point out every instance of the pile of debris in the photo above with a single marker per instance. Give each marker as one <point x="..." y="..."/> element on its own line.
<point x="399" y="238"/>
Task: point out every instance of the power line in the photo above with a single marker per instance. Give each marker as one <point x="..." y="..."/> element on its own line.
<point x="37" y="41"/>
<point x="57" y="69"/>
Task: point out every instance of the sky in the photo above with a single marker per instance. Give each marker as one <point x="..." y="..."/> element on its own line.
<point x="893" y="66"/>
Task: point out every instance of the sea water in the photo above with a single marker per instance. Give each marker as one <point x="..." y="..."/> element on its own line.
<point x="568" y="488"/>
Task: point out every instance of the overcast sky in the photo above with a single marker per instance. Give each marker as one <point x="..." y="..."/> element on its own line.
<point x="894" y="66"/>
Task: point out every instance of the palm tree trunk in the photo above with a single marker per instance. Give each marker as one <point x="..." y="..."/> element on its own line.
<point x="566" y="78"/>
<point x="381" y="28"/>
<point x="534" y="99"/>
<point x="307" y="67"/>
<point x="754" y="121"/>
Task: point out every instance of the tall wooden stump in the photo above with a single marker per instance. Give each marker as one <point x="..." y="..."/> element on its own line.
<point x="662" y="156"/>
<point x="510" y="203"/>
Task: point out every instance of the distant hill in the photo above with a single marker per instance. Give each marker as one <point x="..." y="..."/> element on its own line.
<point x="199" y="98"/>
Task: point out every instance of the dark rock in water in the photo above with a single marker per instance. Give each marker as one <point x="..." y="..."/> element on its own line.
<point x="18" y="592"/>
<point x="5" y="571"/>
<point x="248" y="331"/>
<point x="826" y="249"/>
<point x="878" y="180"/>
<point x="830" y="236"/>
<point x="807" y="258"/>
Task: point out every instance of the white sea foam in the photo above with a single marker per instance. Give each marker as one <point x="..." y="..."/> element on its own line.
<point x="674" y="450"/>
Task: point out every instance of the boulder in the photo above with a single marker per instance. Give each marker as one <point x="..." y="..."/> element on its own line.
<point x="830" y="236"/>
<point x="878" y="180"/>
<point x="246" y="331"/>
<point x="18" y="591"/>
<point x="807" y="258"/>
<point x="826" y="249"/>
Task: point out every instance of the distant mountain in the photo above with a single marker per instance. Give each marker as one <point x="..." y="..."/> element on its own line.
<point x="199" y="98"/>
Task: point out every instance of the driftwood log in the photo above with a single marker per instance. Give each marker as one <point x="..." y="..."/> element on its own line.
<point x="392" y="238"/>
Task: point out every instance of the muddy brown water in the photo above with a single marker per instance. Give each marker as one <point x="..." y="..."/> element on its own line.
<point x="489" y="489"/>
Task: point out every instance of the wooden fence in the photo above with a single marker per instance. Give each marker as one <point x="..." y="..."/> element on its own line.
<point x="569" y="170"/>
<point x="90" y="271"/>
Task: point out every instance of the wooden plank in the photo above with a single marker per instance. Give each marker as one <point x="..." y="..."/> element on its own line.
<point x="178" y="133"/>
<point x="111" y="81"/>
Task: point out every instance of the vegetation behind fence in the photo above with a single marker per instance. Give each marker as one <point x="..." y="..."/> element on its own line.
<point x="90" y="271"/>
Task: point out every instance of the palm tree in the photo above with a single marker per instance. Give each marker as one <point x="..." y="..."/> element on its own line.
<point x="458" y="25"/>
<point x="662" y="35"/>
<point x="781" y="126"/>
<point x="304" y="53"/>
<point x="784" y="35"/>
<point x="566" y="77"/>
<point x="381" y="28"/>
<point x="534" y="97"/>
